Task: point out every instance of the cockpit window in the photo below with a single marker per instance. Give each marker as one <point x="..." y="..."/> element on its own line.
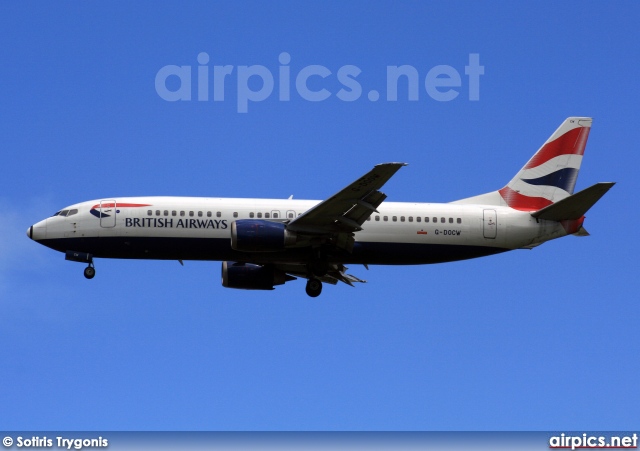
<point x="66" y="212"/>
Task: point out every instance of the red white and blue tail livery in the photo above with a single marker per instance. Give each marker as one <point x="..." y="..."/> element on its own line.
<point x="263" y="243"/>
<point x="551" y="174"/>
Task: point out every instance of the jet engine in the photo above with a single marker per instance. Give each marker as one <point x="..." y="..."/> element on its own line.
<point x="248" y="276"/>
<point x="254" y="235"/>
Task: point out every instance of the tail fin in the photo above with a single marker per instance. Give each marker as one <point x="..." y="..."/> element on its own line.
<point x="551" y="174"/>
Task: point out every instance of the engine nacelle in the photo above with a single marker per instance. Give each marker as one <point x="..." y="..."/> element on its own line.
<point x="252" y="277"/>
<point x="255" y="235"/>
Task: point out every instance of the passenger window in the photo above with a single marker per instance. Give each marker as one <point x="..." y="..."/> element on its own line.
<point x="166" y="212"/>
<point x="235" y="214"/>
<point x="290" y="215"/>
<point x="442" y="220"/>
<point x="208" y="214"/>
<point x="401" y="218"/>
<point x="173" y="213"/>
<point x="450" y="220"/>
<point x="182" y="213"/>
<point x="426" y="219"/>
<point x="267" y="215"/>
<point x="459" y="220"/>
<point x="394" y="218"/>
<point x="200" y="214"/>
<point x="149" y="212"/>
<point x="418" y="219"/>
<point x="275" y="215"/>
<point x="385" y="218"/>
<point x="369" y="218"/>
<point x="190" y="213"/>
<point x="435" y="220"/>
<point x="410" y="218"/>
<point x="377" y="218"/>
<point x="259" y="215"/>
<point x="251" y="215"/>
<point x="218" y="214"/>
<point x="157" y="212"/>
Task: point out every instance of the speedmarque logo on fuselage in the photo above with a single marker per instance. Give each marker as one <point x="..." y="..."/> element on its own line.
<point x="103" y="210"/>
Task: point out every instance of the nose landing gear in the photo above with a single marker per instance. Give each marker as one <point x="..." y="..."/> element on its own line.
<point x="82" y="257"/>
<point x="90" y="271"/>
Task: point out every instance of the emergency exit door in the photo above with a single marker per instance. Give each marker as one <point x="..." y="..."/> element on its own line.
<point x="490" y="224"/>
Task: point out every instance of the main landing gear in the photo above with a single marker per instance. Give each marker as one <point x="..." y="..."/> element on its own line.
<point x="314" y="288"/>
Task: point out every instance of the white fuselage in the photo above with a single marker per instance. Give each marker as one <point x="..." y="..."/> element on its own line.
<point x="199" y="228"/>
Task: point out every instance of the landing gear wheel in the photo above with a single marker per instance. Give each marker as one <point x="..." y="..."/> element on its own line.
<point x="314" y="288"/>
<point x="89" y="272"/>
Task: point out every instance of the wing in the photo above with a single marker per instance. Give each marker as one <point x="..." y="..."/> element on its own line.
<point x="344" y="213"/>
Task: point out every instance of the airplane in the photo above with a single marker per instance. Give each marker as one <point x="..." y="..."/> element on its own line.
<point x="263" y="243"/>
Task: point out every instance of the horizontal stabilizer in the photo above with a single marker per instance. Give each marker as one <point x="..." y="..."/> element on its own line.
<point x="581" y="232"/>
<point x="575" y="206"/>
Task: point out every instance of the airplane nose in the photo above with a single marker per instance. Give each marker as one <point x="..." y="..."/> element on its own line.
<point x="38" y="231"/>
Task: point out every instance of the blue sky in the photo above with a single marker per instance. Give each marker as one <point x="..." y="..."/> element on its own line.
<point x="529" y="340"/>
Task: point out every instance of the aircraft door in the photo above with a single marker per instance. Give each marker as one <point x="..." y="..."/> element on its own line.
<point x="490" y="224"/>
<point x="107" y="213"/>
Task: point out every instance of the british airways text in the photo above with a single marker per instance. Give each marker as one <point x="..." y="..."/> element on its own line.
<point x="179" y="224"/>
